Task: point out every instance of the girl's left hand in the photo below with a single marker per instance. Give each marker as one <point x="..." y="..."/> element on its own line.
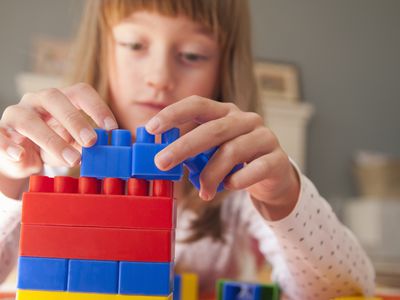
<point x="241" y="136"/>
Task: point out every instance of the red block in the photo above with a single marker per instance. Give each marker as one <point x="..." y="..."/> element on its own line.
<point x="97" y="243"/>
<point x="91" y="210"/>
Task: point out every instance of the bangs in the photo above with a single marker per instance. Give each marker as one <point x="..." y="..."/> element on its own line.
<point x="204" y="12"/>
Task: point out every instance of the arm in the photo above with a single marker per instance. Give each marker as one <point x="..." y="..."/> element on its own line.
<point x="313" y="255"/>
<point x="10" y="215"/>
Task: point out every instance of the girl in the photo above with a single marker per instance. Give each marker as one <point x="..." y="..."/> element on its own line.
<point x="186" y="64"/>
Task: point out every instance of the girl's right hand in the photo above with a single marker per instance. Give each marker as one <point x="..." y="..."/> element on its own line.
<point x="49" y="127"/>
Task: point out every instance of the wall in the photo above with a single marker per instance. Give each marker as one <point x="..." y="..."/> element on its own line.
<point x="347" y="51"/>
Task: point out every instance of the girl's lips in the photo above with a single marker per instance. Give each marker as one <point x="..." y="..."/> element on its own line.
<point x="150" y="105"/>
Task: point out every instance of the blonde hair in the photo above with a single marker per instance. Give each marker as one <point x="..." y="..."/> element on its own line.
<point x="227" y="19"/>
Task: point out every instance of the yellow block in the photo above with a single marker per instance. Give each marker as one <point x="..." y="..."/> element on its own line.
<point x="189" y="286"/>
<point x="46" y="295"/>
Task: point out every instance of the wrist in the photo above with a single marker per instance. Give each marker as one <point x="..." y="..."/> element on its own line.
<point x="280" y="206"/>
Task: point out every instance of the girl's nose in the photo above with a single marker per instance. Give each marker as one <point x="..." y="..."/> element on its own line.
<point x="160" y="75"/>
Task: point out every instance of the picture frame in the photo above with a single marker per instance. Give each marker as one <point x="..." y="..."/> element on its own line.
<point x="277" y="81"/>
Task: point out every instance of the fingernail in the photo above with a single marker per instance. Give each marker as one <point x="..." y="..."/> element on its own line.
<point x="87" y="136"/>
<point x="153" y="124"/>
<point x="110" y="124"/>
<point x="164" y="159"/>
<point x="70" y="156"/>
<point x="203" y="195"/>
<point x="14" y="153"/>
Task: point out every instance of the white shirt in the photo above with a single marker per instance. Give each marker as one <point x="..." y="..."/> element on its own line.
<point x="313" y="255"/>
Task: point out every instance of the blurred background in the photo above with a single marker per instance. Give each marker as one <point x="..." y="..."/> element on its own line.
<point x="329" y="75"/>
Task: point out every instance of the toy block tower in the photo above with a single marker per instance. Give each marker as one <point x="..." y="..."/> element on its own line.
<point x="105" y="235"/>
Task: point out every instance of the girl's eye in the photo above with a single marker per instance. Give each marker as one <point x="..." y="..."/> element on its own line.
<point x="132" y="46"/>
<point x="193" y="57"/>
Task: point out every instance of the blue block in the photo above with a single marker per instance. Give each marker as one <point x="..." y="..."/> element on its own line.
<point x="197" y="163"/>
<point x="103" y="160"/>
<point x="144" y="151"/>
<point x="94" y="276"/>
<point x="141" y="278"/>
<point x="177" y="287"/>
<point x="37" y="273"/>
<point x="241" y="291"/>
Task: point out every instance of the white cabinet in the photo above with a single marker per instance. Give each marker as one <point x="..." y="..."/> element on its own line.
<point x="289" y="122"/>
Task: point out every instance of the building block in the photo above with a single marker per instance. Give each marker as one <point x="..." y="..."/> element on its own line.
<point x="36" y="273"/>
<point x="186" y="286"/>
<point x="97" y="243"/>
<point x="144" y="151"/>
<point x="177" y="287"/>
<point x="48" y="295"/>
<point x="100" y="210"/>
<point x="145" y="278"/>
<point x="197" y="163"/>
<point x="357" y="298"/>
<point x="108" y="160"/>
<point x="93" y="276"/>
<point x="231" y="290"/>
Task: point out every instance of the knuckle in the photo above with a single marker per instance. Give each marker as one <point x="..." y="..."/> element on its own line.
<point x="50" y="93"/>
<point x="27" y="97"/>
<point x="219" y="130"/>
<point x="231" y="106"/>
<point x="52" y="141"/>
<point x="255" y="118"/>
<point x="83" y="87"/>
<point x="73" y="117"/>
<point x="229" y="152"/>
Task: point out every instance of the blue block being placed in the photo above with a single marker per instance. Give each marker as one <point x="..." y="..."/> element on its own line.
<point x="197" y="163"/>
<point x="108" y="160"/>
<point x="241" y="291"/>
<point x="144" y="151"/>
<point x="37" y="273"/>
<point x="177" y="287"/>
<point x="93" y="276"/>
<point x="142" y="278"/>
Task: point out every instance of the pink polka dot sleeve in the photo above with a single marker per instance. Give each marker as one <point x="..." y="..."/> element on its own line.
<point x="313" y="255"/>
<point x="10" y="216"/>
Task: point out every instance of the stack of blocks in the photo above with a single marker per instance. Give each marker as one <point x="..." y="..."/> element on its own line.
<point x="107" y="235"/>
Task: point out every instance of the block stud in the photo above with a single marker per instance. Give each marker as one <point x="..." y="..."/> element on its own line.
<point x="113" y="186"/>
<point x="102" y="137"/>
<point x="42" y="184"/>
<point x="142" y="136"/>
<point x="65" y="184"/>
<point x="121" y="137"/>
<point x="138" y="187"/>
<point x="162" y="188"/>
<point x="170" y="136"/>
<point x="89" y="185"/>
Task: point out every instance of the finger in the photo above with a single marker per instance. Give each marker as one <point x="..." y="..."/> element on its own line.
<point x="60" y="130"/>
<point x="203" y="138"/>
<point x="61" y="108"/>
<point x="34" y="128"/>
<point x="194" y="108"/>
<point x="85" y="97"/>
<point x="10" y="149"/>
<point x="11" y="134"/>
<point x="266" y="166"/>
<point x="232" y="153"/>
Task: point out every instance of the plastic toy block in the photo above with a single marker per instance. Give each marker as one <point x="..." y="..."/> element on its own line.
<point x="38" y="183"/>
<point x="163" y="188"/>
<point x="97" y="243"/>
<point x="231" y="290"/>
<point x="186" y="287"/>
<point x="108" y="160"/>
<point x="144" y="151"/>
<point x="145" y="278"/>
<point x="91" y="210"/>
<point x="357" y="298"/>
<point x="197" y="163"/>
<point x="93" y="276"/>
<point x="36" y="273"/>
<point x="47" y="295"/>
<point x="177" y="287"/>
<point x="138" y="187"/>
<point x="190" y="286"/>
